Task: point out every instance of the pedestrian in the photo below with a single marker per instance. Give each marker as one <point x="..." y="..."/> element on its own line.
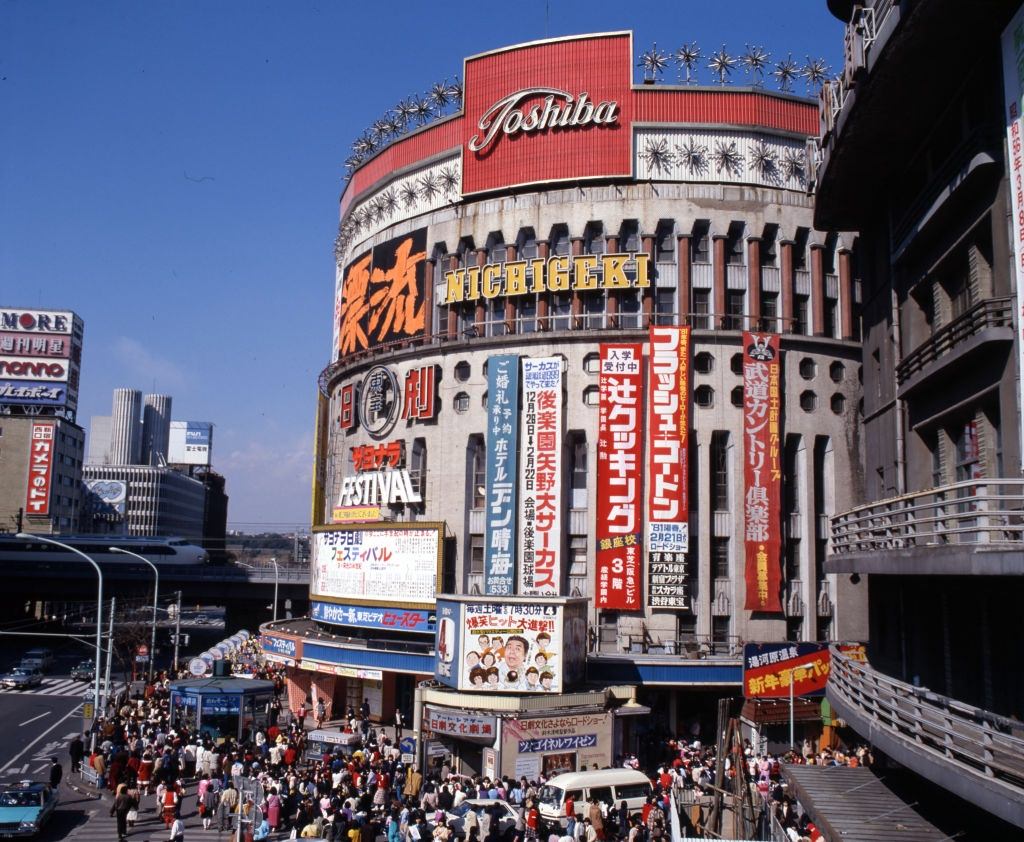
<point x="300" y="715"/>
<point x="56" y="773"/>
<point x="321" y="712"/>
<point x="228" y="803"/>
<point x="177" y="831"/>
<point x="399" y="724"/>
<point x="121" y="807"/>
<point x="76" y="751"/>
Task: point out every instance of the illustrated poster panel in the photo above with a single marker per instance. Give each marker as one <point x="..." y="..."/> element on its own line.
<point x="619" y="481"/>
<point x="500" y="526"/>
<point x="512" y="648"/>
<point x="540" y="465"/>
<point x="667" y="470"/>
<point x="762" y="471"/>
<point x="394" y="566"/>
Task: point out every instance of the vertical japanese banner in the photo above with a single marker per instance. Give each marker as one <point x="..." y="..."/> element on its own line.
<point x="762" y="470"/>
<point x="619" y="462"/>
<point x="667" y="471"/>
<point x="502" y="441"/>
<point x="40" y="469"/>
<point x="1012" y="43"/>
<point x="540" y="472"/>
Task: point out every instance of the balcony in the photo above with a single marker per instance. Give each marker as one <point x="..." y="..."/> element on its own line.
<point x="986" y="322"/>
<point x="973" y="753"/>
<point x="967" y="528"/>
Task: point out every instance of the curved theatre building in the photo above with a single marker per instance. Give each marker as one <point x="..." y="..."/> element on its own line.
<point x="591" y="403"/>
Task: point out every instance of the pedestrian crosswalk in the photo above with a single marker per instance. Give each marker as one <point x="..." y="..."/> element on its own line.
<point x="53" y="687"/>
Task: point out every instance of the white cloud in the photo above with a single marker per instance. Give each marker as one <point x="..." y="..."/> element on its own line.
<point x="268" y="482"/>
<point x="148" y="368"/>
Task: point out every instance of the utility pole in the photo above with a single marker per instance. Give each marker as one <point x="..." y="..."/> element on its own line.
<point x="177" y="637"/>
<point x="110" y="653"/>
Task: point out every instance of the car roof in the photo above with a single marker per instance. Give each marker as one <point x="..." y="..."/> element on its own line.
<point x="25" y="786"/>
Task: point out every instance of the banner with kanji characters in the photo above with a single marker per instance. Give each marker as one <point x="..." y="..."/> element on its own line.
<point x="381" y="297"/>
<point x="502" y="477"/>
<point x="619" y="478"/>
<point x="667" y="468"/>
<point x="769" y="668"/>
<point x="540" y="472"/>
<point x="762" y="470"/>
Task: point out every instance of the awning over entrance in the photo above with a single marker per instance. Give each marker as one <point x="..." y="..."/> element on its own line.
<point x="856" y="806"/>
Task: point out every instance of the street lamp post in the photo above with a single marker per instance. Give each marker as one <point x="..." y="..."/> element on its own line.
<point x="156" y="595"/>
<point x="277" y="578"/>
<point x="99" y="614"/>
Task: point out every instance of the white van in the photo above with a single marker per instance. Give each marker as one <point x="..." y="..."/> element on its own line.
<point x="609" y="786"/>
<point x="40" y="659"/>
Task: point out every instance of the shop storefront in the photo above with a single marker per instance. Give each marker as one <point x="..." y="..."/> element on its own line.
<point x="221" y="707"/>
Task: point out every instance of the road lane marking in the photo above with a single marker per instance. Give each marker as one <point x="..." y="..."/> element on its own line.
<point x="34" y="718"/>
<point x="10" y="762"/>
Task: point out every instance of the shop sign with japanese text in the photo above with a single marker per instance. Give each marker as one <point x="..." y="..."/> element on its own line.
<point x="619" y="479"/>
<point x="667" y="468"/>
<point x="40" y="468"/>
<point x="366" y="617"/>
<point x="762" y="471"/>
<point x="768" y="669"/>
<point x="461" y="725"/>
<point x="540" y="527"/>
<point x="500" y="527"/>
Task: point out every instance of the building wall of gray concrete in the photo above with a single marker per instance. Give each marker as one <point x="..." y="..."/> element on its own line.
<point x="125" y="433"/>
<point x="156" y="425"/>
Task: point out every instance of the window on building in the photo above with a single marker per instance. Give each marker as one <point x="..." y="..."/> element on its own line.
<point x="418" y="465"/>
<point x="527" y="305"/>
<point x="770" y="245"/>
<point x="808" y="401"/>
<point x="700" y="242"/>
<point x="837" y="371"/>
<point x="838" y="403"/>
<point x="629" y="308"/>
<point x="735" y="302"/>
<point x="720" y="627"/>
<point x="629" y="236"/>
<point x="591" y="396"/>
<point x="794" y="629"/>
<point x="719" y="558"/>
<point x="578" y="576"/>
<point x="593" y="238"/>
<point x="704" y="363"/>
<point x="831" y="318"/>
<point x="462" y="371"/>
<point x="719" y="472"/>
<point x="476" y="555"/>
<point x="561" y="310"/>
<point x="808" y="368"/>
<point x="736" y="364"/>
<point x="665" y="307"/>
<point x="701" y="309"/>
<point x="579" y="471"/>
<point x="801" y="314"/>
<point x="800" y="248"/>
<point x="734" y="244"/>
<point x="592" y="363"/>
<point x="560" y="243"/>
<point x="736" y="396"/>
<point x="704" y="397"/>
<point x="594" y="311"/>
<point x="968" y="455"/>
<point x="792" y="559"/>
<point x="770" y="311"/>
<point x="665" y="242"/>
<point x="478" y="471"/>
<point x="461" y="402"/>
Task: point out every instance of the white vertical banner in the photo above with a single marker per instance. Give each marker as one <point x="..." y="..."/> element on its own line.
<point x="1013" y="85"/>
<point x="540" y="478"/>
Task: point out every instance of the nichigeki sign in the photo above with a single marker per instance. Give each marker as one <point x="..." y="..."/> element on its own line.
<point x="619" y="481"/>
<point x="370" y="564"/>
<point x="510" y="645"/>
<point x="762" y="471"/>
<point x="667" y="468"/>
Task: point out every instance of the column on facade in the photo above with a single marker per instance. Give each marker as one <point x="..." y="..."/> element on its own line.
<point x="846" y="293"/>
<point x="705" y="527"/>
<point x="683" y="282"/>
<point x="298" y="685"/>
<point x="754" y="282"/>
<point x="577" y="299"/>
<point x="647" y="293"/>
<point x="511" y="306"/>
<point x="428" y="299"/>
<point x="786" y="284"/>
<point x="480" y="315"/>
<point x="818" y="288"/>
<point x="453" y="315"/>
<point x="612" y="297"/>
<point x="543" y="298"/>
<point x="718" y="319"/>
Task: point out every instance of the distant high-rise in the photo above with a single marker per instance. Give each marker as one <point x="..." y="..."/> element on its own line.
<point x="156" y="426"/>
<point x="124" y="427"/>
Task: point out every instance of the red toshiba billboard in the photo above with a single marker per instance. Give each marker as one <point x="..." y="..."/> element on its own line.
<point x="548" y="111"/>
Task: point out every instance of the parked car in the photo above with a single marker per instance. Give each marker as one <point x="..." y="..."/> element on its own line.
<point x="25" y="808"/>
<point x="85" y="671"/>
<point x="21" y="678"/>
<point x="506" y="814"/>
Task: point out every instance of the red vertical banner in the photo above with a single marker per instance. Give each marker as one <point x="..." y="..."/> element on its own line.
<point x="40" y="469"/>
<point x="762" y="470"/>
<point x="619" y="491"/>
<point x="667" y="501"/>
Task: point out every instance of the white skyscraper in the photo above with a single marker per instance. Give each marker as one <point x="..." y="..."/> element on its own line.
<point x="125" y="434"/>
<point x="156" y="425"/>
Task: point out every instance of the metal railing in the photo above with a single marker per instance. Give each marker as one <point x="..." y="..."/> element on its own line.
<point x="981" y="511"/>
<point x="687" y="646"/>
<point x="994" y="312"/>
<point x="978" y="742"/>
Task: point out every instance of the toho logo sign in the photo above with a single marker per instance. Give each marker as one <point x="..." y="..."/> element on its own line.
<point x="558" y="110"/>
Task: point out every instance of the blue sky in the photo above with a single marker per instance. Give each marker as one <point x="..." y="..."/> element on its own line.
<point x="171" y="171"/>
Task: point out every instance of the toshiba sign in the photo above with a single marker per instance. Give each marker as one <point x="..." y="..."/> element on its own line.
<point x="550" y="111"/>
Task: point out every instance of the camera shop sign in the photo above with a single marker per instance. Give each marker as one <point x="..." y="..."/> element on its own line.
<point x="381" y="479"/>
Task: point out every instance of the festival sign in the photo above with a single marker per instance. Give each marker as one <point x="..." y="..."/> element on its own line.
<point x="40" y="468"/>
<point x="762" y="471"/>
<point x="381" y="479"/>
<point x="540" y="526"/>
<point x="501" y="487"/>
<point x="367" y="564"/>
<point x="619" y="480"/>
<point x="667" y="469"/>
<point x="381" y="299"/>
